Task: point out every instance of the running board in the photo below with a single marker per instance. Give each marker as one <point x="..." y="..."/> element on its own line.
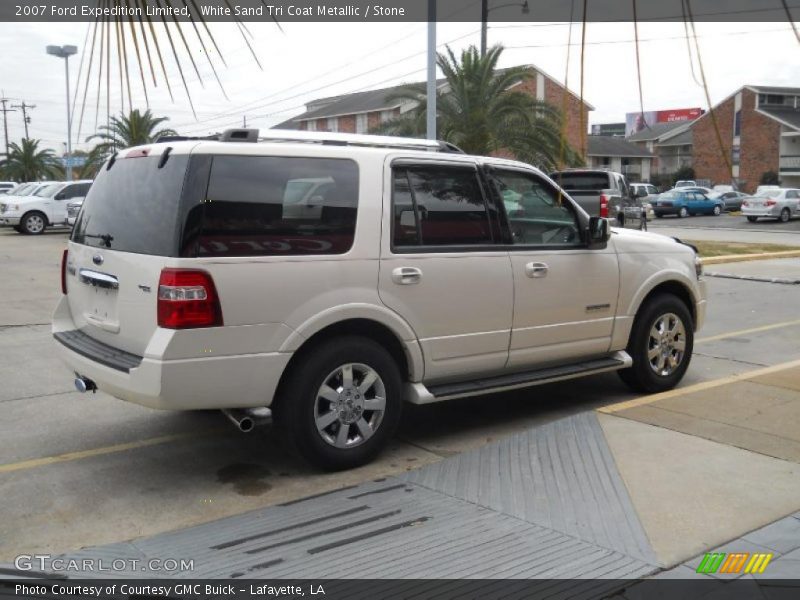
<point x="418" y="393"/>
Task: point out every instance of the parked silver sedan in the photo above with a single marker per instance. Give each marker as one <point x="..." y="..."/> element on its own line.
<point x="781" y="204"/>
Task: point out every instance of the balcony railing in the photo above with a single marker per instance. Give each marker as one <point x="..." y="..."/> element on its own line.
<point x="790" y="162"/>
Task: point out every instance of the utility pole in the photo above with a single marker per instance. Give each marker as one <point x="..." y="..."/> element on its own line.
<point x="25" y="118"/>
<point x="244" y="121"/>
<point x="430" y="117"/>
<point x="5" y="110"/>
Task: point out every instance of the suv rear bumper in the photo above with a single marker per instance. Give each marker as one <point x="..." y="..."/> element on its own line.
<point x="237" y="381"/>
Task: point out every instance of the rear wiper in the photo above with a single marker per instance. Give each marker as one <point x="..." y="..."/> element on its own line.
<point x="106" y="238"/>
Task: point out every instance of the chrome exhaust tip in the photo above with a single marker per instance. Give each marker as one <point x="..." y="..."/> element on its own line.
<point x="246" y="419"/>
<point x="84" y="384"/>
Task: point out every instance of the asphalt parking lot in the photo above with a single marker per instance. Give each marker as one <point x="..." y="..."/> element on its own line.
<point x="730" y="228"/>
<point x="82" y="470"/>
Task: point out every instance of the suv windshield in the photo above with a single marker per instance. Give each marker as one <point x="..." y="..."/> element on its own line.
<point x="133" y="206"/>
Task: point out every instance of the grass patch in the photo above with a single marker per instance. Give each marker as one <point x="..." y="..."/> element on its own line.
<point x="709" y="249"/>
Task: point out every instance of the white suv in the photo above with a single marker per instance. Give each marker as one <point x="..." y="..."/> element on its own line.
<point x="193" y="280"/>
<point x="46" y="206"/>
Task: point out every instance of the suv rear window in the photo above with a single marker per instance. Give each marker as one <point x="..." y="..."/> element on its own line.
<point x="133" y="206"/>
<point x="266" y="205"/>
<point x="589" y="182"/>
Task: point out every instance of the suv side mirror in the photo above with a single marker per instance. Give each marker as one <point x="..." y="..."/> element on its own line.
<point x="597" y="233"/>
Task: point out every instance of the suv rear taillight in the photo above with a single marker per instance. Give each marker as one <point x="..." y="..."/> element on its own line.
<point x="64" y="257"/>
<point x="187" y="299"/>
<point x="604" y="206"/>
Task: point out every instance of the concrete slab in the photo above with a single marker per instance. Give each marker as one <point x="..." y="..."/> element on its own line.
<point x="753" y="416"/>
<point x="691" y="493"/>
<point x="786" y="379"/>
<point x="782" y="536"/>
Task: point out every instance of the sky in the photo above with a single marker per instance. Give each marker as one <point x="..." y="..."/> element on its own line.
<point x="312" y="60"/>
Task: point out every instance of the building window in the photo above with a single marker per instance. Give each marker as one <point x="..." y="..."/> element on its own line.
<point x="737" y="124"/>
<point x="333" y="124"/>
<point x="386" y="115"/>
<point x="311" y="125"/>
<point x="361" y="123"/>
<point x="771" y="99"/>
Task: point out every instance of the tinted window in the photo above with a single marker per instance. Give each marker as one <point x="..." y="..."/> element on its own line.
<point x="439" y="206"/>
<point x="791" y="194"/>
<point x="133" y="206"/>
<point x="263" y="205"/>
<point x="537" y="213"/>
<point x="77" y="190"/>
<point x="590" y="182"/>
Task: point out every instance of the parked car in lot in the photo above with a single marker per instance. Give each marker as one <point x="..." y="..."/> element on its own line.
<point x="6" y="186"/>
<point x="732" y="199"/>
<point x="46" y="207"/>
<point x="73" y="208"/>
<point x="684" y="203"/>
<point x="767" y="188"/>
<point x="185" y="286"/>
<point x="685" y="183"/>
<point x="781" y="204"/>
<point x="599" y="192"/>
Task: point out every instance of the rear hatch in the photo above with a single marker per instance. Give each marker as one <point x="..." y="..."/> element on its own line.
<point x="125" y="234"/>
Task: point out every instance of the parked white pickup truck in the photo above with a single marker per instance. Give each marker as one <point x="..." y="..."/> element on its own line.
<point x="48" y="207"/>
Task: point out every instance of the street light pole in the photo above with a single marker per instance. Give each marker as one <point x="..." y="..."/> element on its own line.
<point x="485" y="18"/>
<point x="484" y="24"/>
<point x="431" y="86"/>
<point x="65" y="52"/>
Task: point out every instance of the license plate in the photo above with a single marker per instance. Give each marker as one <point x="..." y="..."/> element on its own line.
<point x="103" y="302"/>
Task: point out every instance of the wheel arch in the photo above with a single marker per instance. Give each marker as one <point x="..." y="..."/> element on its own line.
<point x="406" y="353"/>
<point x="675" y="286"/>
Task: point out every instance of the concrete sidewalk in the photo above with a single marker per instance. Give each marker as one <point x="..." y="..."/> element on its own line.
<point x="637" y="489"/>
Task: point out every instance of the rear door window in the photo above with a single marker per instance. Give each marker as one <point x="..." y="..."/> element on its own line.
<point x="439" y="205"/>
<point x="274" y="206"/>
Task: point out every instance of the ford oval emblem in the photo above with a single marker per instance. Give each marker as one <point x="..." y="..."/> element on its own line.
<point x="97" y="259"/>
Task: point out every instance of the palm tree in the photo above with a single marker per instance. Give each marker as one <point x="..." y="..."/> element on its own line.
<point x="479" y="112"/>
<point x="26" y="162"/>
<point x="133" y="129"/>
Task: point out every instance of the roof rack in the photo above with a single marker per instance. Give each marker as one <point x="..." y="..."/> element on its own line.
<point x="334" y="139"/>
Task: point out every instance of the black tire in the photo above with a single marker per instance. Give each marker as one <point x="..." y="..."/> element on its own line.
<point x="33" y="223"/>
<point x="297" y="407"/>
<point x="752" y="219"/>
<point x="642" y="376"/>
<point x="683" y="212"/>
<point x="17" y="228"/>
<point x="659" y="216"/>
<point x="786" y="214"/>
<point x="717" y="210"/>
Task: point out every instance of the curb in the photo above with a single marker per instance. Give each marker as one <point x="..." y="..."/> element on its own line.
<point x="714" y="260"/>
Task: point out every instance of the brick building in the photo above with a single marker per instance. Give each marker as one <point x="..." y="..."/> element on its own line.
<point x="363" y="112"/>
<point x="760" y="130"/>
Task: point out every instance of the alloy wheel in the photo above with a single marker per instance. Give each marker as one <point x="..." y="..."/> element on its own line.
<point x="350" y="405"/>
<point x="667" y="344"/>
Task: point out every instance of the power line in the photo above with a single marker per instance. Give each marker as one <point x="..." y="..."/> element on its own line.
<point x="231" y="113"/>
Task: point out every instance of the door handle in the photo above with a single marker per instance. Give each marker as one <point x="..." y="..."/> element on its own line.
<point x="406" y="275"/>
<point x="536" y="270"/>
